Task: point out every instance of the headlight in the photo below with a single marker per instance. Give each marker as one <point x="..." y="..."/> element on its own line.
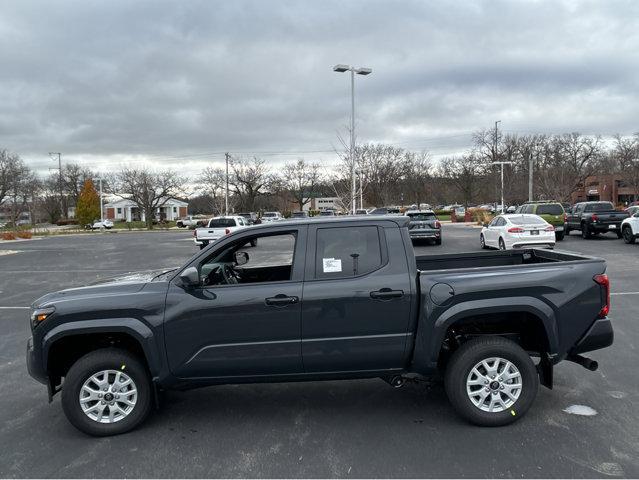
<point x="39" y="315"/>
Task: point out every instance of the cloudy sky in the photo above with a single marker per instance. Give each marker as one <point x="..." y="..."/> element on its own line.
<point x="176" y="84"/>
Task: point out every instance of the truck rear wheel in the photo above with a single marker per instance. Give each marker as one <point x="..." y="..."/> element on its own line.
<point x="106" y="392"/>
<point x="491" y="381"/>
<point x="585" y="232"/>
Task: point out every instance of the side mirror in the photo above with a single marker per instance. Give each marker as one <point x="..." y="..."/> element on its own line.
<point x="241" y="258"/>
<point x="636" y="215"/>
<point x="485" y="224"/>
<point x="190" y="277"/>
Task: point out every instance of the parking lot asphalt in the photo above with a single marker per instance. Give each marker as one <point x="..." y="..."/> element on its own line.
<point x="360" y="428"/>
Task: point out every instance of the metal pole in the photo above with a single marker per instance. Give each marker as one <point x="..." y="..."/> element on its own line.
<point x="530" y="179"/>
<point x="226" y="192"/>
<point x="502" y="188"/>
<point x="353" y="195"/>
<point x="361" y="191"/>
<point x="101" y="207"/>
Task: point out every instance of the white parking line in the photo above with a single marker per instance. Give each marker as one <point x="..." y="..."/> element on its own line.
<point x="14" y="308"/>
<point x="625" y="293"/>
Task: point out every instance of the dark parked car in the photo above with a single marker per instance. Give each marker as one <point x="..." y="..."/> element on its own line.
<point x="424" y="226"/>
<point x="341" y="298"/>
<point x="592" y="218"/>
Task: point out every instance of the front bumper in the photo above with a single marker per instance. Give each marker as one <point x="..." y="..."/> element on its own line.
<point x="599" y="335"/>
<point x="34" y="366"/>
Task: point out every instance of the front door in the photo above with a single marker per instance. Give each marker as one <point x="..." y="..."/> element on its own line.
<point x="357" y="299"/>
<point x="243" y="320"/>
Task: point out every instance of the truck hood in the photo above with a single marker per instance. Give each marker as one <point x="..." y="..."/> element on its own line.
<point x="131" y="282"/>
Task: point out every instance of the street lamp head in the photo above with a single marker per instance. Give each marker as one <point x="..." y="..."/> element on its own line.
<point x="364" y="71"/>
<point x="341" y="68"/>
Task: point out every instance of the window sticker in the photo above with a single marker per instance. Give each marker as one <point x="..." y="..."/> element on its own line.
<point x="331" y="265"/>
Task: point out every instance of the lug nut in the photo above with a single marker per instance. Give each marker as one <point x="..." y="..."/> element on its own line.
<point x="485" y="382"/>
<point x="105" y="389"/>
<point x="99" y="395"/>
<point x="487" y="389"/>
<point x="492" y="376"/>
<point x="103" y="402"/>
<point x="118" y="396"/>
<point x="500" y="379"/>
<point x="501" y="387"/>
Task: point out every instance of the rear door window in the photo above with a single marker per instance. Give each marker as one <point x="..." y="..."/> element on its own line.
<point x="550" y="209"/>
<point x="222" y="223"/>
<point x="347" y="252"/>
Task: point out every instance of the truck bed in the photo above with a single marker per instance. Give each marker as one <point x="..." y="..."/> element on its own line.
<point x="494" y="259"/>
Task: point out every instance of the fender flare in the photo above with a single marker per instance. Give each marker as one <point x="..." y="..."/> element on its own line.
<point x="462" y="310"/>
<point x="130" y="326"/>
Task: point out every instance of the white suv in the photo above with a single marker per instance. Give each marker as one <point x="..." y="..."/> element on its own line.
<point x="271" y="217"/>
<point x="630" y="228"/>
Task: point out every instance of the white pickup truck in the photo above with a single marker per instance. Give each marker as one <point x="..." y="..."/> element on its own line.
<point x="190" y="221"/>
<point x="217" y="228"/>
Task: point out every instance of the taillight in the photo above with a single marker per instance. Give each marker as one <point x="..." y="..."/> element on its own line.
<point x="594" y="217"/>
<point x="550" y="228"/>
<point x="565" y="218"/>
<point x="227" y="231"/>
<point x="516" y="230"/>
<point x="603" y="280"/>
<point x="437" y="224"/>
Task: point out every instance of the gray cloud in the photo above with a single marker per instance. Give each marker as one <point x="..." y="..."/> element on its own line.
<point x="109" y="82"/>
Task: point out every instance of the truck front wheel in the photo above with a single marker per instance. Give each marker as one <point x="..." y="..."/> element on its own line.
<point x="106" y="392"/>
<point x="491" y="381"/>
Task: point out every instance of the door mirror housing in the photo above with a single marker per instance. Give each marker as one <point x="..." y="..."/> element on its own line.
<point x="241" y="258"/>
<point x="190" y="277"/>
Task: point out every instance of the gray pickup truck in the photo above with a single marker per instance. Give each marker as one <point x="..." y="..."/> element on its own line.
<point x="324" y="299"/>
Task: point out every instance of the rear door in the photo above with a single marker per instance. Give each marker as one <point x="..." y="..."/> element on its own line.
<point x="357" y="298"/>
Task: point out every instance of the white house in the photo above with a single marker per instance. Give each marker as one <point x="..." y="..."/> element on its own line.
<point x="124" y="209"/>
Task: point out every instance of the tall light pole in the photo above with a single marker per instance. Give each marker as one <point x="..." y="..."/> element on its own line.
<point x="101" y="203"/>
<point x="341" y="68"/>
<point x="59" y="181"/>
<point x="502" y="181"/>
<point x="495" y="159"/>
<point x="226" y="191"/>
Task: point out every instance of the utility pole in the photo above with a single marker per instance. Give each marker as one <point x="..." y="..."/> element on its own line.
<point x="530" y="178"/>
<point x="226" y="191"/>
<point x="495" y="159"/>
<point x="101" y="207"/>
<point x="59" y="181"/>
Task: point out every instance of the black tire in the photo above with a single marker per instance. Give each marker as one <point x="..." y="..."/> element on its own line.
<point x="619" y="233"/>
<point x="502" y="244"/>
<point x="585" y="232"/>
<point x="567" y="230"/>
<point x="628" y="237"/>
<point x="202" y="246"/>
<point x="90" y="364"/>
<point x="559" y="236"/>
<point x="254" y="242"/>
<point x="438" y="241"/>
<point x="482" y="241"/>
<point x="464" y="360"/>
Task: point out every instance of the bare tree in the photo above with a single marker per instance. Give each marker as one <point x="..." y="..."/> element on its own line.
<point x="149" y="190"/>
<point x="213" y="182"/>
<point x="566" y="163"/>
<point x="464" y="173"/>
<point x="11" y="166"/>
<point x="626" y="160"/>
<point x="23" y="188"/>
<point x="249" y="180"/>
<point x="301" y="180"/>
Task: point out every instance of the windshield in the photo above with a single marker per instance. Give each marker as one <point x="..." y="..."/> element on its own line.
<point x="550" y="209"/>
<point x="527" y="220"/>
<point x="327" y="213"/>
<point x="422" y="216"/>
<point x="599" y="207"/>
<point x="269" y="214"/>
<point x="222" y="222"/>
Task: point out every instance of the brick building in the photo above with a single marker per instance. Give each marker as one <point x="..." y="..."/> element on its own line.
<point x="607" y="187"/>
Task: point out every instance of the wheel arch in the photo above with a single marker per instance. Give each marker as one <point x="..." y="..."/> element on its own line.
<point x="522" y="315"/>
<point x="66" y="343"/>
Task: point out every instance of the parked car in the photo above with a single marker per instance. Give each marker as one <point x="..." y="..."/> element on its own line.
<point x="299" y="214"/>
<point x="327" y="213"/>
<point x="190" y="221"/>
<point x="99" y="225"/>
<point x="592" y="218"/>
<point x="344" y="298"/>
<point x="424" y="225"/>
<point x="630" y="228"/>
<point x="552" y="212"/>
<point x="511" y="209"/>
<point x="271" y="217"/>
<point x="385" y="211"/>
<point x="517" y="230"/>
<point x="250" y="216"/>
<point x="361" y="211"/>
<point x="632" y="210"/>
<point x="217" y="228"/>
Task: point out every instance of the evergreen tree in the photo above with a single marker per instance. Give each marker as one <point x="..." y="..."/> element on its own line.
<point x="88" y="208"/>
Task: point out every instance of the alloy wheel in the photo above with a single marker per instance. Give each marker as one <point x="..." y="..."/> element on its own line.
<point x="108" y="396"/>
<point x="494" y="384"/>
